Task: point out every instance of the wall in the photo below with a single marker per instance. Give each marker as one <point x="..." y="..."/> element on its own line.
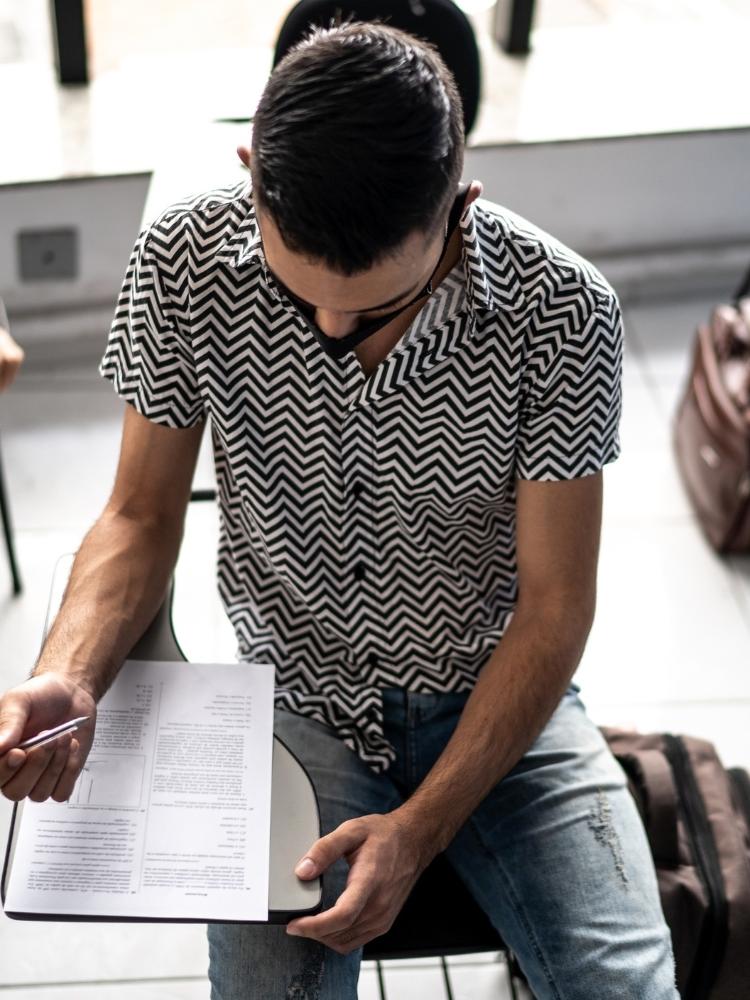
<point x="663" y="215"/>
<point x="106" y="211"/>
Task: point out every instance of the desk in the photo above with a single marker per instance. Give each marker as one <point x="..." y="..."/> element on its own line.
<point x="295" y="820"/>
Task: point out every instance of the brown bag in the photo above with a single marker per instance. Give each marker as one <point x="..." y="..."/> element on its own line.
<point x="697" y="818"/>
<point x="711" y="431"/>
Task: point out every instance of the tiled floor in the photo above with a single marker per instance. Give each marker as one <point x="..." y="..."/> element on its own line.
<point x="669" y="648"/>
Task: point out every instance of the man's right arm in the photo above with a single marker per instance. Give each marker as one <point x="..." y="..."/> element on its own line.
<point x="118" y="581"/>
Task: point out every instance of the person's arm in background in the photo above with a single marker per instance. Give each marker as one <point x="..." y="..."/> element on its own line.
<point x="11" y="355"/>
<point x="118" y="581"/>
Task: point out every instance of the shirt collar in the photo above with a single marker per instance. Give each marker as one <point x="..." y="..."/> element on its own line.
<point x="243" y="242"/>
<point x="491" y="280"/>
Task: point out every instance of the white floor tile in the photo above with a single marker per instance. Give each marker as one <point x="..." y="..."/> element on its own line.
<point x="61" y="442"/>
<point x="668" y="623"/>
<point x="480" y="982"/>
<point x="59" y="952"/>
<point x="739" y="566"/>
<point x="60" y="453"/>
<point x="470" y="980"/>
<point x="169" y="990"/>
<point x="663" y="334"/>
<point x="22" y="618"/>
<point x="418" y="983"/>
<point x="203" y="630"/>
<point x="367" y="987"/>
<point x="643" y="424"/>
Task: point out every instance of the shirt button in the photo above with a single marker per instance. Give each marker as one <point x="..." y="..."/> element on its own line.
<point x="357" y="489"/>
<point x="372" y="659"/>
<point x="359" y="571"/>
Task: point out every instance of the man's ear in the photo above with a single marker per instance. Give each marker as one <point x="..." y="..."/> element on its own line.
<point x="244" y="154"/>
<point x="474" y="192"/>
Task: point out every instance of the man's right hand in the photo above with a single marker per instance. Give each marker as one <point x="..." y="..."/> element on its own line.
<point x="51" y="770"/>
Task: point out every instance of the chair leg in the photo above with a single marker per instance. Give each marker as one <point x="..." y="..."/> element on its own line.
<point x="381" y="980"/>
<point x="446" y="978"/>
<point x="8" y="532"/>
<point x="512" y="983"/>
<point x="512" y="966"/>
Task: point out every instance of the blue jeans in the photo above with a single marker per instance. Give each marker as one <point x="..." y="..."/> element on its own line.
<point x="556" y="855"/>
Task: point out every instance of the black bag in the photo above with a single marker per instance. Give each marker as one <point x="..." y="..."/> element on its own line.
<point x="697" y="818"/>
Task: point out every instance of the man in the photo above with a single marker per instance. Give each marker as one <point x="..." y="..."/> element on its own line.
<point x="412" y="394"/>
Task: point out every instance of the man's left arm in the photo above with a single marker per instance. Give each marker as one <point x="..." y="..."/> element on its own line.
<point x="519" y="687"/>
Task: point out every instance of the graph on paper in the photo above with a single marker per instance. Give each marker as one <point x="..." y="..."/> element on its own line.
<point x="110" y="779"/>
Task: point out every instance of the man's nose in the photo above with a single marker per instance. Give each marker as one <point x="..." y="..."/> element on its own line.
<point x="336" y="324"/>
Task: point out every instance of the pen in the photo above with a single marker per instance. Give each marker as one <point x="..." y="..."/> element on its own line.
<point x="51" y="734"/>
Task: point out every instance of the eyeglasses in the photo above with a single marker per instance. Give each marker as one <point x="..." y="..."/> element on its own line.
<point x="337" y="347"/>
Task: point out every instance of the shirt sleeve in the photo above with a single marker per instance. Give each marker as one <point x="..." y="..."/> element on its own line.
<point x="149" y="356"/>
<point x="569" y="423"/>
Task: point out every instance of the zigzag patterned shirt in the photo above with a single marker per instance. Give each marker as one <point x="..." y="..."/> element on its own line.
<point x="367" y="524"/>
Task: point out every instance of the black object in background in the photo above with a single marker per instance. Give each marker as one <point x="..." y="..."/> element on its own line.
<point x="441" y="22"/>
<point x="511" y="29"/>
<point x="69" y="34"/>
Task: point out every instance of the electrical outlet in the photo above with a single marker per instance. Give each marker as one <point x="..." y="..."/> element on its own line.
<point x="48" y="254"/>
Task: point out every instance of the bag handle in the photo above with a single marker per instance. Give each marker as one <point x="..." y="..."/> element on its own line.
<point x="650" y="772"/>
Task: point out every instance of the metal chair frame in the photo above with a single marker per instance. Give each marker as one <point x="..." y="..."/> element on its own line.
<point x="8" y="533"/>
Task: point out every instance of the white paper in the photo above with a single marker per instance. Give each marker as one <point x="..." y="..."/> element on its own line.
<point x="171" y="815"/>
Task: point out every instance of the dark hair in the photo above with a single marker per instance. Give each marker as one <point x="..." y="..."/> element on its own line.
<point x="357" y="142"/>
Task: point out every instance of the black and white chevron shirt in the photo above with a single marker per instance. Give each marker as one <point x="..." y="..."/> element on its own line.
<point x="367" y="525"/>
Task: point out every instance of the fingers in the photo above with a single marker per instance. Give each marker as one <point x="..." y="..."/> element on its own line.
<point x="14" y="714"/>
<point x="47" y="782"/>
<point x="324" y="852"/>
<point x="8" y="371"/>
<point x="46" y="770"/>
<point x="50" y="769"/>
<point x="11" y="358"/>
<point x="22" y="780"/>
<point x="66" y="783"/>
<point x="340" y="917"/>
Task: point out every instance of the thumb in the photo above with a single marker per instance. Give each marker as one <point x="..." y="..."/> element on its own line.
<point x="324" y="852"/>
<point x="14" y="714"/>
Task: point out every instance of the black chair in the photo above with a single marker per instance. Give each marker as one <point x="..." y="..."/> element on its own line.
<point x="8" y="533"/>
<point x="441" y="22"/>
<point x="439" y="919"/>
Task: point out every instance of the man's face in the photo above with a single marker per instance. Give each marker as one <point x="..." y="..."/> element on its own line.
<point x="337" y="304"/>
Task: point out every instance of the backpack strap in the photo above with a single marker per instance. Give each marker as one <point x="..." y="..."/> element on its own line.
<point x="650" y="772"/>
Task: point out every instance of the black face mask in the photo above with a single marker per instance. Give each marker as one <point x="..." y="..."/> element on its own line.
<point x="337" y="347"/>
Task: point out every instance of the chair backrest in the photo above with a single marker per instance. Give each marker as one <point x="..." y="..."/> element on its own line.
<point x="441" y="22"/>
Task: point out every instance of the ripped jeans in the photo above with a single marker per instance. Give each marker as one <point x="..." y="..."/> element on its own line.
<point x="556" y="855"/>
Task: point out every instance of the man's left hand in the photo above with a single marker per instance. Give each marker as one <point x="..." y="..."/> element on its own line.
<point x="11" y="357"/>
<point x="385" y="856"/>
